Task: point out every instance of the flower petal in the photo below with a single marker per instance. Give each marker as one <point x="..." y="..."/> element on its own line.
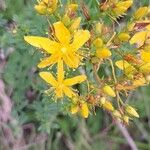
<point x="43" y="43"/>
<point x="72" y="60"/>
<point x="59" y="92"/>
<point x="145" y="68"/>
<point x="60" y="71"/>
<point x="49" y="61"/>
<point x="145" y="56"/>
<point x="80" y="37"/>
<point x="122" y="64"/>
<point x="68" y="92"/>
<point x="139" y="39"/>
<point x="126" y="67"/>
<point x="61" y="32"/>
<point x="48" y="77"/>
<point x="74" y="80"/>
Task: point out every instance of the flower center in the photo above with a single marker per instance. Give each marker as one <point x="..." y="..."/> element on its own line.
<point x="64" y="49"/>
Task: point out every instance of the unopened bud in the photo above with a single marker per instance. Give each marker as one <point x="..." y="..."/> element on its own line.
<point x="131" y="111"/>
<point x="109" y="91"/>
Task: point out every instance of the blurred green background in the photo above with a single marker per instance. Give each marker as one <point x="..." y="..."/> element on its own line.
<point x="35" y="122"/>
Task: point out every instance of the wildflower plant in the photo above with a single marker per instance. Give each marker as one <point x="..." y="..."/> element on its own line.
<point x="118" y="55"/>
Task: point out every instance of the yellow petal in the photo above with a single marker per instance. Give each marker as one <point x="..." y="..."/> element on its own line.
<point x="60" y="72"/>
<point x="145" y="56"/>
<point x="145" y="68"/>
<point x="146" y="48"/>
<point x="121" y="64"/>
<point x="141" y="12"/>
<point x="68" y="92"/>
<point x="43" y="43"/>
<point x="59" y="92"/>
<point x="48" y="61"/>
<point x="62" y="33"/>
<point x="139" y="38"/>
<point x="84" y="110"/>
<point x="125" y="4"/>
<point x="122" y="7"/>
<point x="74" y="80"/>
<point x="48" y="77"/>
<point x="124" y="65"/>
<point x="80" y="38"/>
<point x="71" y="60"/>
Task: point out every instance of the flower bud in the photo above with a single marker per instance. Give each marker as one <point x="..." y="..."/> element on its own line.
<point x="84" y="110"/>
<point x="103" y="53"/>
<point x="41" y="9"/>
<point x="131" y="111"/>
<point x="98" y="42"/>
<point x="98" y="28"/>
<point x="108" y="106"/>
<point x="109" y="91"/>
<point x="75" y="25"/>
<point x="102" y="100"/>
<point x="124" y="37"/>
<point x="126" y="119"/>
<point x="117" y="114"/>
<point x="66" y="20"/>
<point x="46" y="7"/>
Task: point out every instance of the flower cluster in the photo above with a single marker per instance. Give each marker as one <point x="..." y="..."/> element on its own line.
<point x="121" y="54"/>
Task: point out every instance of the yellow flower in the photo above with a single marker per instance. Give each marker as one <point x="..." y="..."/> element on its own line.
<point x="80" y="107"/>
<point x="131" y="111"/>
<point x="103" y="53"/>
<point x="109" y="91"/>
<point x="62" y="86"/>
<point x="46" y="6"/>
<point x="141" y="12"/>
<point x="63" y="48"/>
<point x="126" y="67"/>
<point x="145" y="68"/>
<point x="140" y="38"/>
<point x="122" y="6"/>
